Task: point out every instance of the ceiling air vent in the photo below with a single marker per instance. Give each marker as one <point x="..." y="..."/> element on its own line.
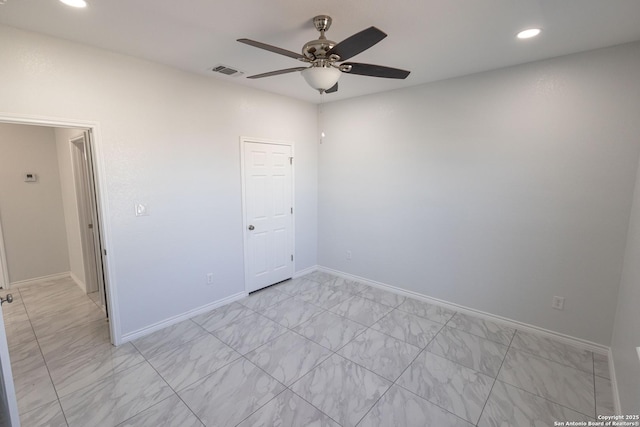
<point x="227" y="71"/>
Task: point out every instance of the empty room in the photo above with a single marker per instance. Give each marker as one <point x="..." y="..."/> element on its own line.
<point x="285" y="213"/>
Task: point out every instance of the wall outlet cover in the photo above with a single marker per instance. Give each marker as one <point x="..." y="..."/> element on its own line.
<point x="557" y="303"/>
<point x="141" y="210"/>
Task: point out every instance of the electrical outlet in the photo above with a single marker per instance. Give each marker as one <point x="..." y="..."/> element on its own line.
<point x="558" y="303"/>
<point x="209" y="278"/>
<point x="348" y="255"/>
<point x="141" y="210"/>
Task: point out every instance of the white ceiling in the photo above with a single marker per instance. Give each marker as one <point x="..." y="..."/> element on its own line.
<point x="435" y="39"/>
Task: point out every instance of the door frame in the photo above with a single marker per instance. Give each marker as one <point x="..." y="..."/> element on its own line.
<point x="4" y="272"/>
<point x="81" y="181"/>
<point x="7" y="378"/>
<point x="99" y="175"/>
<point x="245" y="224"/>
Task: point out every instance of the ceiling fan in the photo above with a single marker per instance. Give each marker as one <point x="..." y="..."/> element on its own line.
<point x="325" y="57"/>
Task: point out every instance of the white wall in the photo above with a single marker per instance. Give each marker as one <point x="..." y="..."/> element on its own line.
<point x="31" y="212"/>
<point x="70" y="203"/>
<point x="495" y="191"/>
<point x="168" y="139"/>
<point x="626" y="333"/>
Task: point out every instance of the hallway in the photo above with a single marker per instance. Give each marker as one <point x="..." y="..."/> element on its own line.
<point x="58" y="341"/>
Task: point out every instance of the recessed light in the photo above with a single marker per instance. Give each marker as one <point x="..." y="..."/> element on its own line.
<point x="75" y="3"/>
<point x="528" y="33"/>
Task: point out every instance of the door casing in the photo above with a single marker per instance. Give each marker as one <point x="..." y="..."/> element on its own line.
<point x="9" y="402"/>
<point x="99" y="172"/>
<point x="245" y="224"/>
<point x="4" y="272"/>
<point x="87" y="214"/>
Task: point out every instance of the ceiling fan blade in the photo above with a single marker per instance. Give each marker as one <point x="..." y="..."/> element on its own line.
<point x="332" y="89"/>
<point x="277" y="73"/>
<point x="359" y="42"/>
<point x="270" y="48"/>
<point x="376" y="70"/>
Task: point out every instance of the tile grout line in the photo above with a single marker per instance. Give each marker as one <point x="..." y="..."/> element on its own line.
<point x="328" y="357"/>
<point x="244" y="356"/>
<point x="366" y="328"/>
<point x="175" y="392"/>
<point x="424" y="350"/>
<point x="396" y="308"/>
<point x="496" y="377"/>
<point x="46" y="364"/>
<point x="477" y="335"/>
<point x="537" y="395"/>
<point x="44" y="361"/>
<point x="172" y="348"/>
<point x="402" y="373"/>
<point x="171" y="388"/>
<point x="332" y="353"/>
<point x="318" y="409"/>
<point x="544" y="398"/>
<point x="323" y="310"/>
<point x="284" y="385"/>
<point x="546" y="358"/>
<point x="265" y="404"/>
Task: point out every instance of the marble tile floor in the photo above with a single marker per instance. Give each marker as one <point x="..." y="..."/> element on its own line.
<point x="317" y="350"/>
<point x="44" y="328"/>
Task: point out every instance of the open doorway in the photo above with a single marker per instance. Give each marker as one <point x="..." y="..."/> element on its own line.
<point x="52" y="318"/>
<point x="48" y="200"/>
<point x="84" y="172"/>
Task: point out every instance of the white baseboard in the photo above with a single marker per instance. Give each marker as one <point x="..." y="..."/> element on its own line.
<point x="567" y="339"/>
<point x="179" y="318"/>
<point x="37" y="280"/>
<point x="305" y="271"/>
<point x="196" y="311"/>
<point x="79" y="282"/>
<point x="614" y="385"/>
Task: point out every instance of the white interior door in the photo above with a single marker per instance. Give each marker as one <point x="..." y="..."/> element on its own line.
<point x="87" y="214"/>
<point x="4" y="273"/>
<point x="268" y="204"/>
<point x="95" y="220"/>
<point x="8" y="403"/>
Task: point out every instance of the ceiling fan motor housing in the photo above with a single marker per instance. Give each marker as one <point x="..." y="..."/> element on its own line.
<point x="317" y="49"/>
<point x="322" y="22"/>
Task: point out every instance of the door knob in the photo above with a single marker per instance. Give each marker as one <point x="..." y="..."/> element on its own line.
<point x="251" y="227"/>
<point x="9" y="299"/>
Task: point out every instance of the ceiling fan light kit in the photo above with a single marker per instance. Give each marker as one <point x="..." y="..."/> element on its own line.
<point x="323" y="56"/>
<point x="321" y="78"/>
<point x="75" y="3"/>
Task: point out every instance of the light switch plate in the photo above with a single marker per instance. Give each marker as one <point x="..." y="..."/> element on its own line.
<point x="141" y="210"/>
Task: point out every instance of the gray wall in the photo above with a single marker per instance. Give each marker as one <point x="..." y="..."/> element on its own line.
<point x="169" y="139"/>
<point x="495" y="191"/>
<point x="31" y="212"/>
